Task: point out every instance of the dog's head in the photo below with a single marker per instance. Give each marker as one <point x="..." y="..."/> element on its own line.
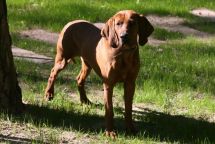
<point x="127" y="28"/>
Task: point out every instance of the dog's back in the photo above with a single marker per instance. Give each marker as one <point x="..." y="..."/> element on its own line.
<point x="79" y="38"/>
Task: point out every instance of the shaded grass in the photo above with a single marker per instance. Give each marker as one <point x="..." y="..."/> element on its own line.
<point x="153" y="125"/>
<point x="162" y="34"/>
<point x="201" y="24"/>
<point x="33" y="45"/>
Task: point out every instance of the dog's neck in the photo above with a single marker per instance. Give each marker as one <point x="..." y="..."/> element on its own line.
<point x="124" y="49"/>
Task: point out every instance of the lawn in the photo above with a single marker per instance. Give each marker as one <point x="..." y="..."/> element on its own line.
<point x="174" y="98"/>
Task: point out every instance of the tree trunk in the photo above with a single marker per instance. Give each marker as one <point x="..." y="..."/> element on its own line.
<point x="10" y="92"/>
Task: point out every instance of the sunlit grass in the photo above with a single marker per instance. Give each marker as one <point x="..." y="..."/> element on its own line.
<point x="33" y="45"/>
<point x="162" y="34"/>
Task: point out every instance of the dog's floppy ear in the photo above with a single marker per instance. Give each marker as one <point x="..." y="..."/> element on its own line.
<point x="108" y="31"/>
<point x="145" y="29"/>
<point x="105" y="30"/>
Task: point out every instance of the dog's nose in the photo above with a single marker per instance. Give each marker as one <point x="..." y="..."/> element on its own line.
<point x="124" y="36"/>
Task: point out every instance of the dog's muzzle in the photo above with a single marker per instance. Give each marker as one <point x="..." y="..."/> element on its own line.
<point x="124" y="37"/>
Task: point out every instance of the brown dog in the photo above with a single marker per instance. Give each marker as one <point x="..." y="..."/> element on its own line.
<point x="112" y="53"/>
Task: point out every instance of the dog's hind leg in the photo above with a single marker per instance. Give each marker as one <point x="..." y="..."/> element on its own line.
<point x="60" y="64"/>
<point x="85" y="70"/>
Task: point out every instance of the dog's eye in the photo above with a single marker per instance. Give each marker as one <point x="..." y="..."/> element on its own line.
<point x="119" y="23"/>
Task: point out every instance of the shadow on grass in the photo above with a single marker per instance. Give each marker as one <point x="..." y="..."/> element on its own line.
<point x="151" y="124"/>
<point x="174" y="128"/>
<point x="54" y="19"/>
<point x="16" y="140"/>
<point x="203" y="24"/>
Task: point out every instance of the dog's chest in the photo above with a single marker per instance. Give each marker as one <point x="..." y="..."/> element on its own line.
<point x="122" y="66"/>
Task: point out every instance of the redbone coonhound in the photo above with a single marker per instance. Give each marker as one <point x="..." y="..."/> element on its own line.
<point x="111" y="52"/>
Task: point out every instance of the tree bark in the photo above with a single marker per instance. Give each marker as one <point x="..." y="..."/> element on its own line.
<point x="10" y="92"/>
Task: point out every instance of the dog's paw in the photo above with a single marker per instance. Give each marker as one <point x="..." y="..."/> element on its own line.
<point x="111" y="134"/>
<point x="49" y="96"/>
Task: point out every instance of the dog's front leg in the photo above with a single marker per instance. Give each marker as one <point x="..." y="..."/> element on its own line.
<point x="129" y="88"/>
<point x="108" y="93"/>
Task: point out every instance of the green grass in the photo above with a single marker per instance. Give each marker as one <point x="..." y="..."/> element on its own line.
<point x="53" y="14"/>
<point x="33" y="45"/>
<point x="174" y="98"/>
<point x="180" y="70"/>
<point x="201" y="24"/>
<point x="178" y="89"/>
<point x="162" y="34"/>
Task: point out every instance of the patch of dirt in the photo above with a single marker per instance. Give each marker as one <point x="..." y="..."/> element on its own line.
<point x="42" y="35"/>
<point x="68" y="137"/>
<point x="165" y="21"/>
<point x="19" y="133"/>
<point x="155" y="42"/>
<point x="15" y="132"/>
<point x="175" y="24"/>
<point x="30" y="56"/>
<point x="204" y="13"/>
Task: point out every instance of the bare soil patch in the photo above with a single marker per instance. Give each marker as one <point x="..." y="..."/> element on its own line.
<point x="204" y="13"/>
<point x="19" y="133"/>
<point x="155" y="42"/>
<point x="42" y="35"/>
<point x="175" y="24"/>
<point x="30" y="56"/>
